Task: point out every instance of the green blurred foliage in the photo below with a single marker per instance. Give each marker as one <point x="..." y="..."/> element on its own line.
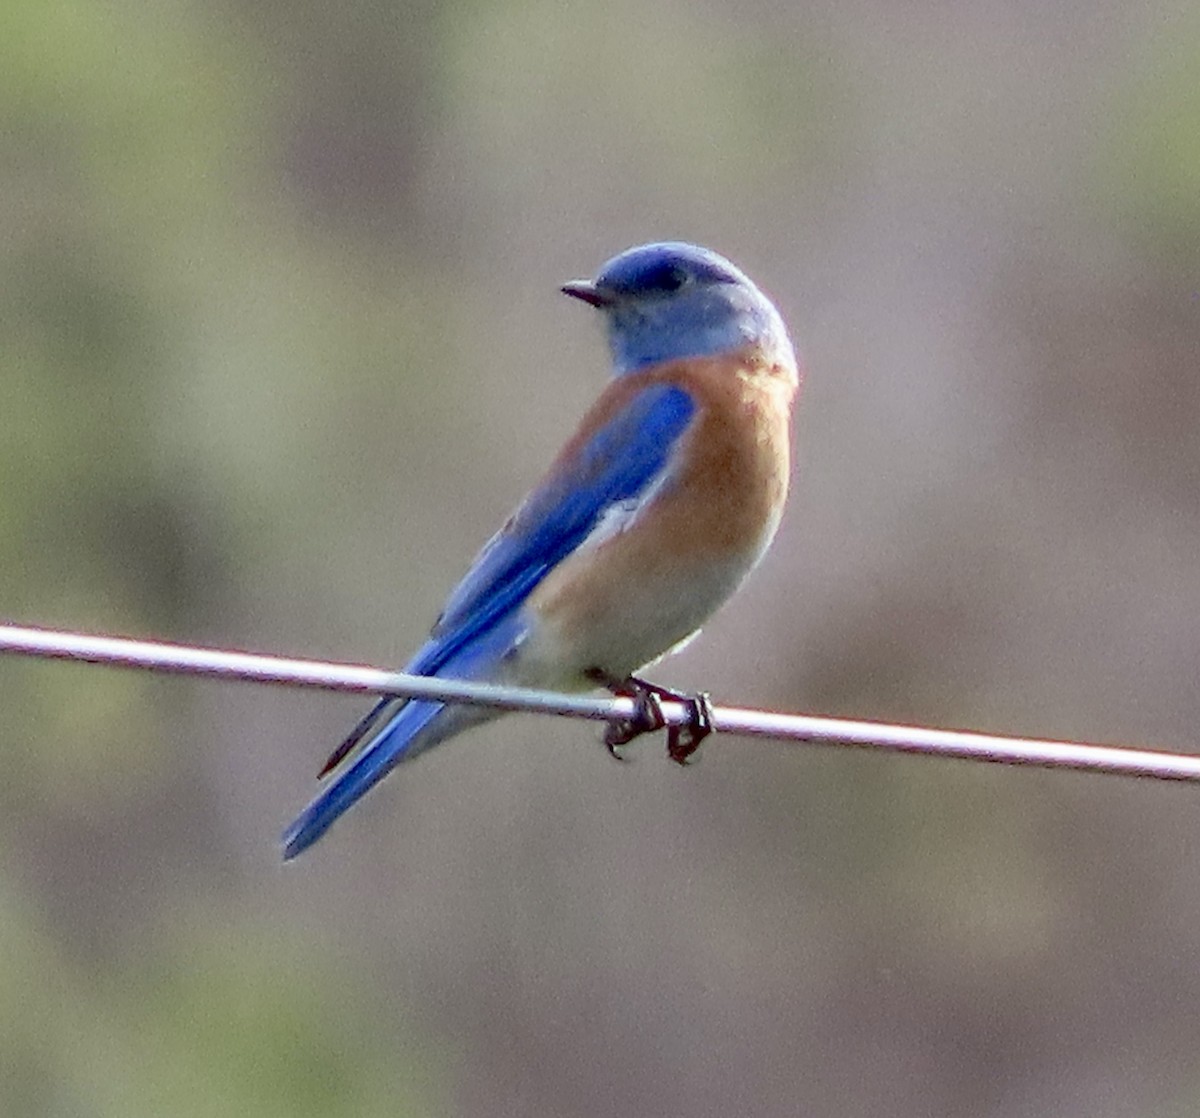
<point x="210" y="1021"/>
<point x="1152" y="167"/>
<point x="130" y="474"/>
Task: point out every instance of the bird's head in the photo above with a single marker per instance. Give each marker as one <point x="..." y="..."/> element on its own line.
<point x="671" y="300"/>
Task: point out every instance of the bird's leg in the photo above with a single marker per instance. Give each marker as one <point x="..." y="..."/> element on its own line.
<point x="646" y="718"/>
<point x="682" y="740"/>
<point x="356" y="735"/>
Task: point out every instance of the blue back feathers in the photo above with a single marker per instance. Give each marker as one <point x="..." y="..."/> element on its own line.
<point x="620" y="461"/>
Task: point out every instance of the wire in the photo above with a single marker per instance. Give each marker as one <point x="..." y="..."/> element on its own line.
<point x="796" y="728"/>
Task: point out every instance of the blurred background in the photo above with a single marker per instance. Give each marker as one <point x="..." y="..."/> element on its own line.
<point x="281" y="345"/>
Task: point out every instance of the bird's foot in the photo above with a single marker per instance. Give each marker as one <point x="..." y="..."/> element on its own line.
<point x="682" y="740"/>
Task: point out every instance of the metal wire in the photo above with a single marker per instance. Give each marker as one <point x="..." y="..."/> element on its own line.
<point x="795" y="728"/>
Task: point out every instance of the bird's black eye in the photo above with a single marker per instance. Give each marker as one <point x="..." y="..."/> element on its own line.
<point x="664" y="277"/>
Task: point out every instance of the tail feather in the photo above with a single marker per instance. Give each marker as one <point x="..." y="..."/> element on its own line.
<point x="353" y="739"/>
<point x="412" y="729"/>
<point x="393" y="744"/>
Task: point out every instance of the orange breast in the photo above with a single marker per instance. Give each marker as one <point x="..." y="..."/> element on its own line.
<point x="627" y="600"/>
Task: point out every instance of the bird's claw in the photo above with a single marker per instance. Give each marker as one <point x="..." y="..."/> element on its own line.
<point x="682" y="740"/>
<point x="646" y="718"/>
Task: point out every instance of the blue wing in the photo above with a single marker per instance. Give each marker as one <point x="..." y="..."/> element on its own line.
<point x="620" y="462"/>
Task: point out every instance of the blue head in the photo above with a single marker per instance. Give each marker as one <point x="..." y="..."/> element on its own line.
<point x="671" y="300"/>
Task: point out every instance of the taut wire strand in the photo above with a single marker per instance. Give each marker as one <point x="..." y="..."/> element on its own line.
<point x="806" y="729"/>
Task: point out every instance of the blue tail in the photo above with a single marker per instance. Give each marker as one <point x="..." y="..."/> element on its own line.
<point x="415" y="727"/>
<point x="392" y="744"/>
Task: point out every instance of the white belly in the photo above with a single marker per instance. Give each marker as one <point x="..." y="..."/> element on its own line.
<point x="647" y="618"/>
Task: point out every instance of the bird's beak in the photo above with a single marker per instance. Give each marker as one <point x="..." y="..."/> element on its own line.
<point x="587" y="291"/>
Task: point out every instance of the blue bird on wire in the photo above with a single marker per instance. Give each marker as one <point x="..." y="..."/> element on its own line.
<point x="653" y="513"/>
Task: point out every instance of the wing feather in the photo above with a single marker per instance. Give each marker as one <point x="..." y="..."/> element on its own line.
<point x="610" y="471"/>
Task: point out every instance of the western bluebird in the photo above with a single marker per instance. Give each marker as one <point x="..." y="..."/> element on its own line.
<point x="650" y="517"/>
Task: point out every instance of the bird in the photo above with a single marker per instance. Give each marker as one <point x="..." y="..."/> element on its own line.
<point x="656" y="509"/>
